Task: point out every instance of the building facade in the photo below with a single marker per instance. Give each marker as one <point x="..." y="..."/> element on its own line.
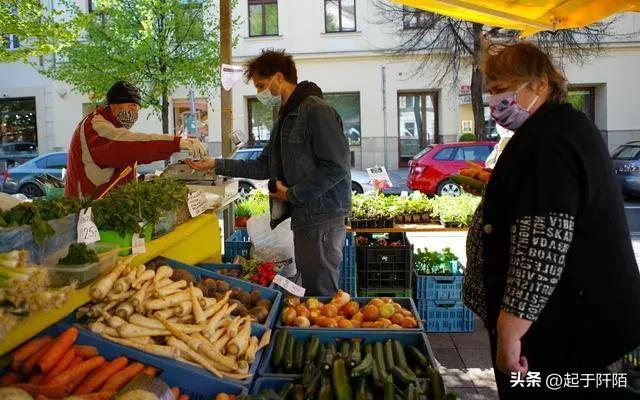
<point x="389" y="112"/>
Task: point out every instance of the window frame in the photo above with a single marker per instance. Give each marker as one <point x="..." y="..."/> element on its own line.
<point x="454" y="151"/>
<point x="359" y="110"/>
<point x="406" y="13"/>
<point x="11" y="42"/>
<point x="435" y="99"/>
<point x="592" y="94"/>
<point x="262" y="4"/>
<point x="274" y="116"/>
<point x="340" y="30"/>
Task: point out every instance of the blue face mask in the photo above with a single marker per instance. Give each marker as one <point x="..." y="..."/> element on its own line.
<point x="265" y="97"/>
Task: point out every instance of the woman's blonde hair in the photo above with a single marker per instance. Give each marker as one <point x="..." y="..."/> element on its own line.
<point x="522" y="62"/>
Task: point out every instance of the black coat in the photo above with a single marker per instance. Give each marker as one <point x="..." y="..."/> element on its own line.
<point x="558" y="165"/>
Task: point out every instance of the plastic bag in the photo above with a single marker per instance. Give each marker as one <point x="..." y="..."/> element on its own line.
<point x="273" y="245"/>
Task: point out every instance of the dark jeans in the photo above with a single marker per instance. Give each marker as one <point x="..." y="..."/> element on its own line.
<point x="318" y="251"/>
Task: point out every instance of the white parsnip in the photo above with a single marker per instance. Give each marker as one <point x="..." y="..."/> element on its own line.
<point x="252" y="349"/>
<point x="166" y="313"/>
<point x="140" y="269"/>
<point x="121" y="285"/>
<point x="195" y="304"/>
<point x="162" y="272"/>
<point x="203" y="361"/>
<point x="138" y="299"/>
<point x="124" y="310"/>
<point x="232" y="329"/>
<point x="207" y="302"/>
<point x="129" y="330"/>
<point x="101" y="288"/>
<point x="171" y="301"/>
<point x="151" y="323"/>
<point x="164" y="351"/>
<point x="146" y="276"/>
<point x="100" y="328"/>
<point x="183" y="309"/>
<point x="239" y="342"/>
<point x="210" y="311"/>
<point x="171" y="288"/>
<point x="120" y="296"/>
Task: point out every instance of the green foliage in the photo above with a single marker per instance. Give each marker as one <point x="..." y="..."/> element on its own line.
<point x="434" y="262"/>
<point x="159" y="45"/>
<point x="256" y="203"/>
<point x="40" y="31"/>
<point x="79" y="254"/>
<point x="128" y="207"/>
<point x="458" y="209"/>
<point x="467" y="137"/>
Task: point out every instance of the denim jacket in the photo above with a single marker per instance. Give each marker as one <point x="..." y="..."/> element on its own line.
<point x="315" y="162"/>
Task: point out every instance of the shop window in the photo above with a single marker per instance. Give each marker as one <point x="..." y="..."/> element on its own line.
<point x="18" y="122"/>
<point x="339" y="16"/>
<point x="11" y="42"/>
<point x="413" y="18"/>
<point x="348" y="106"/>
<point x="583" y="99"/>
<point x="263" y="18"/>
<point x="261" y="121"/>
<point x="188" y="123"/>
<point x="419" y="111"/>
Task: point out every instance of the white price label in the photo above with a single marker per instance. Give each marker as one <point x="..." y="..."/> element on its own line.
<point x="289" y="286"/>
<point x="197" y="203"/>
<point x="87" y="229"/>
<point x="137" y="244"/>
<point x="404" y="194"/>
<point x="379" y="177"/>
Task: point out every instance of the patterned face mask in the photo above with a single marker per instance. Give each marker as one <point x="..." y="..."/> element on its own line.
<point x="506" y="110"/>
<point x="127" y="118"/>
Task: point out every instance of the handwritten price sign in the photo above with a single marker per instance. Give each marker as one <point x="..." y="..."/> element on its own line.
<point x="87" y="229"/>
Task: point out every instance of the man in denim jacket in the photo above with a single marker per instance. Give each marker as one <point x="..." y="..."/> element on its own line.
<point x="307" y="161"/>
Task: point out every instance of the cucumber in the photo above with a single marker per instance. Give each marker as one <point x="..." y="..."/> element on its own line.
<point x="327" y="357"/>
<point x="361" y="389"/>
<point x="298" y="356"/>
<point x="368" y="348"/>
<point x="465" y="180"/>
<point x="309" y="372"/>
<point x="378" y="356"/>
<point x="389" y="389"/>
<point x="313" y="348"/>
<point x="400" y="357"/>
<point x="288" y="353"/>
<point x="363" y="369"/>
<point x="344" y="348"/>
<point x="400" y="375"/>
<point x="355" y="354"/>
<point x="311" y="390"/>
<point x="278" y="350"/>
<point x="341" y="383"/>
<point x="418" y="357"/>
<point x="437" y="385"/>
<point x="411" y="393"/>
<point x="378" y="379"/>
<point x="326" y="390"/>
<point x="286" y="390"/>
<point x="388" y="355"/>
<point x="298" y="392"/>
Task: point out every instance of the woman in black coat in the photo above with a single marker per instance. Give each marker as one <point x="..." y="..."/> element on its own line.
<point x="551" y="269"/>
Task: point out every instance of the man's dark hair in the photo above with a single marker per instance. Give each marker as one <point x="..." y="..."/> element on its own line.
<point x="269" y="63"/>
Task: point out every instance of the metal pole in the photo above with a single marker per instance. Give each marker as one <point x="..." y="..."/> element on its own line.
<point x="226" y="100"/>
<point x="194" y="115"/>
<point x="384" y="114"/>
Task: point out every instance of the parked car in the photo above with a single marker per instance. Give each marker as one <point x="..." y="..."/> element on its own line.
<point x="431" y="169"/>
<point x="626" y="163"/>
<point x="360" y="182"/>
<point x="24" y="178"/>
<point x="13" y="154"/>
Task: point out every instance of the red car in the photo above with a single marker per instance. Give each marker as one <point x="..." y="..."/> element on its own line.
<point x="429" y="171"/>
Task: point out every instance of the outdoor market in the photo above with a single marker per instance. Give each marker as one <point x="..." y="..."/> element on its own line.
<point x="159" y="267"/>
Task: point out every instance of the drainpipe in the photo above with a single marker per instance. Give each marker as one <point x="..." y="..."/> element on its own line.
<point x="384" y="114"/>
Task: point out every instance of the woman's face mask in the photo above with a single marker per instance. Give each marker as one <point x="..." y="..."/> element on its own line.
<point x="506" y="110"/>
<point x="127" y="118"/>
<point x="265" y="97"/>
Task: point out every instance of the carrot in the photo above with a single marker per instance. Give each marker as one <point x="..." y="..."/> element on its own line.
<point x="150" y="371"/>
<point x="45" y="390"/>
<point x="63" y="364"/>
<point x="30" y="348"/>
<point x="9" y="378"/>
<point x="76" y="382"/>
<point x="97" y="396"/>
<point x="36" y="379"/>
<point x="86" y="351"/>
<point x="28" y="366"/>
<point x="72" y="373"/>
<point x="56" y="352"/>
<point x="101" y="375"/>
<point x="41" y="397"/>
<point x="183" y="397"/>
<point x="118" y="380"/>
<point x="176" y="392"/>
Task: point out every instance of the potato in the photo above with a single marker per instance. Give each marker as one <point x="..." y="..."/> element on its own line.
<point x="244" y="297"/>
<point x="235" y="291"/>
<point x="180" y="274"/>
<point x="218" y="295"/>
<point x="266" y="303"/>
<point x="255" y="297"/>
<point x="259" y="313"/>
<point x="223" y="286"/>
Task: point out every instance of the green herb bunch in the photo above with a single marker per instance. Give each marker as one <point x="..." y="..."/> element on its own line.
<point x="79" y="254"/>
<point x="433" y="262"/>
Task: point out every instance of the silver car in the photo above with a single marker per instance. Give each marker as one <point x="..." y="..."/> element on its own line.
<point x="626" y="163"/>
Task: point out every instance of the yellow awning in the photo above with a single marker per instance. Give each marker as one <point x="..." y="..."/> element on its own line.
<point x="528" y="16"/>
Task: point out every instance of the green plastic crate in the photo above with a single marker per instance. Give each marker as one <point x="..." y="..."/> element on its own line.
<point x="108" y="236"/>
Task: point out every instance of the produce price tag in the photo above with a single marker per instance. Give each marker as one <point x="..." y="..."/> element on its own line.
<point x="379" y="177"/>
<point x="137" y="245"/>
<point x="197" y="203"/>
<point x="87" y="229"/>
<point x="404" y="194"/>
<point x="289" y="286"/>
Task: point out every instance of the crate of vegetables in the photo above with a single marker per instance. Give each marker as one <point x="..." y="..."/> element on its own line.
<point x="269" y="385"/>
<point x="183" y="313"/>
<point x="384" y="261"/>
<point x="438" y="275"/>
<point x="344" y="312"/>
<point x="446" y="316"/>
<point x="352" y="363"/>
<point x="64" y="360"/>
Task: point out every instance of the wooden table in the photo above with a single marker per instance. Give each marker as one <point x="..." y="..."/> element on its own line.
<point x="408" y="228"/>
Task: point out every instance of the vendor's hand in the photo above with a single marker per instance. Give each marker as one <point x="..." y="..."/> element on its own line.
<point x="204" y="165"/>
<point x="509" y="358"/>
<point x="281" y="192"/>
<point x="471" y="190"/>
<point x="195" y="148"/>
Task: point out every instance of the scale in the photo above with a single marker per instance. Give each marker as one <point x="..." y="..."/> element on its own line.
<point x="208" y="182"/>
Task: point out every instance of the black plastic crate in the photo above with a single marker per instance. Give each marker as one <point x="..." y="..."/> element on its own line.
<point x="385" y="267"/>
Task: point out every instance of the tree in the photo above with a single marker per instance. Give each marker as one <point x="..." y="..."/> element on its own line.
<point x="30" y="30"/>
<point x="159" y="45"/>
<point x="446" y="46"/>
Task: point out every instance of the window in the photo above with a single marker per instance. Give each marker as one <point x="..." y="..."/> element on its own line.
<point x="18" y="122"/>
<point x="263" y="18"/>
<point x="56" y="161"/>
<point x="242" y="155"/>
<point x="348" y="106"/>
<point x="445" y="154"/>
<point x="11" y="42"/>
<point x="339" y="16"/>
<point x="627" y="153"/>
<point x="187" y="123"/>
<point x="261" y="121"/>
<point x="90" y="7"/>
<point x="417" y="123"/>
<point x="473" y="153"/>
<point x="583" y="99"/>
<point x="255" y="155"/>
<point x="414" y="18"/>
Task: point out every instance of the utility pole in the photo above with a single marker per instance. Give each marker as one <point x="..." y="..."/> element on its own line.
<point x="226" y="100"/>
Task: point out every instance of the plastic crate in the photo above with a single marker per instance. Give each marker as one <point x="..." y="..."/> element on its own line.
<point x="446" y="316"/>
<point x="438" y="287"/>
<point x="405" y="302"/>
<point x="269" y="383"/>
<point x="347" y="281"/>
<point x="238" y="244"/>
<point x="386" y="267"/>
<point x="265" y="293"/>
<point x="418" y="339"/>
<point x="198" y="384"/>
<point x="386" y="293"/>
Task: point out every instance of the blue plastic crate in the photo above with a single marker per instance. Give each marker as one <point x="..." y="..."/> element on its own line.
<point x="269" y="383"/>
<point x="237" y="244"/>
<point x="265" y="293"/>
<point x="418" y="339"/>
<point x="197" y="383"/>
<point x="438" y="287"/>
<point x="446" y="316"/>
<point x="405" y="302"/>
<point x="347" y="281"/>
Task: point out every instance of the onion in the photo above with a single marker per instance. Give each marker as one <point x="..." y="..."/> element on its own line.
<point x="343" y="297"/>
<point x="288" y="315"/>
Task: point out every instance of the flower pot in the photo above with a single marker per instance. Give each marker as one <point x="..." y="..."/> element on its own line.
<point x="400" y="219"/>
<point x="241" y="222"/>
<point x="426" y="218"/>
<point x="449" y="224"/>
<point x="371" y="223"/>
<point x="388" y="223"/>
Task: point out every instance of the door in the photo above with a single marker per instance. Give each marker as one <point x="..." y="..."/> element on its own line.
<point x="417" y="124"/>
